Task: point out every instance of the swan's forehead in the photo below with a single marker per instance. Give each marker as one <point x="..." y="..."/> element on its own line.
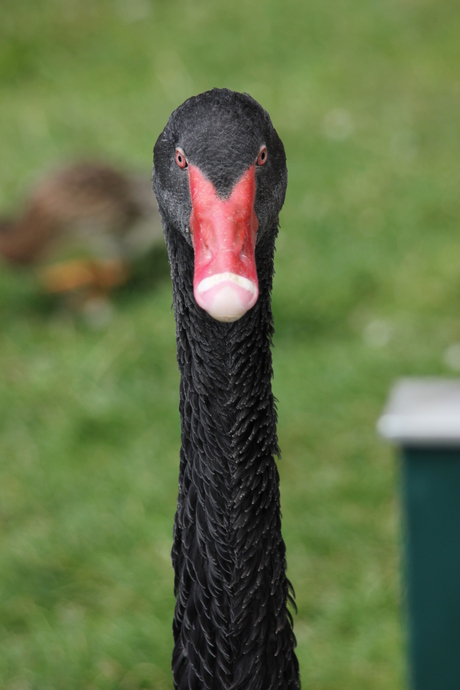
<point x="222" y="144"/>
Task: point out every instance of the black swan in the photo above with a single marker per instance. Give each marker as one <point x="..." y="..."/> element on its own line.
<point x="220" y="179"/>
<point x="82" y="227"/>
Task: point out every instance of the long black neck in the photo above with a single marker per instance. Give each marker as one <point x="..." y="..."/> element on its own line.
<point x="232" y="629"/>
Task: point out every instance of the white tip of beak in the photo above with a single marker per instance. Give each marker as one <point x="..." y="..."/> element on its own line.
<point x="226" y="296"/>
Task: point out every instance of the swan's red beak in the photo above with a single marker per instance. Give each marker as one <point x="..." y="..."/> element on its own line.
<point x="224" y="237"/>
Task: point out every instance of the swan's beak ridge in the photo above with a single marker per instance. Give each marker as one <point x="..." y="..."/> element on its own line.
<point x="224" y="235"/>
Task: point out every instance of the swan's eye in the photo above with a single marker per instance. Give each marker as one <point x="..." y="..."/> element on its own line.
<point x="181" y="159"/>
<point x="262" y="157"/>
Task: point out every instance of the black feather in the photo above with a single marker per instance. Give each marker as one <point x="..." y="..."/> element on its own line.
<point x="232" y="628"/>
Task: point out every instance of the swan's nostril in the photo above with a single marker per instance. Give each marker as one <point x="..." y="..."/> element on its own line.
<point x="206" y="253"/>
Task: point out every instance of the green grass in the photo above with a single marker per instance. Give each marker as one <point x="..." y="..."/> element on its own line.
<point x="365" y="96"/>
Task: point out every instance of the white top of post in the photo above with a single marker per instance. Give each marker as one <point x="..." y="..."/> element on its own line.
<point x="423" y="412"/>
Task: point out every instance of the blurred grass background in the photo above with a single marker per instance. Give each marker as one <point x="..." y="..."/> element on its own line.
<point x="365" y="96"/>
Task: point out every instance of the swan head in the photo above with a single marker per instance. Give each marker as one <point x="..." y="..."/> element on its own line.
<point x="220" y="179"/>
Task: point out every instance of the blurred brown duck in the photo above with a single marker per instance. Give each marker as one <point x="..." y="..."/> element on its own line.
<point x="82" y="227"/>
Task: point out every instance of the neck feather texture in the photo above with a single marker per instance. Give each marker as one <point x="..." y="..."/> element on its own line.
<point x="232" y="629"/>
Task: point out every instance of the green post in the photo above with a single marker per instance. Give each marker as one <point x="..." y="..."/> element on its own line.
<point x="423" y="419"/>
